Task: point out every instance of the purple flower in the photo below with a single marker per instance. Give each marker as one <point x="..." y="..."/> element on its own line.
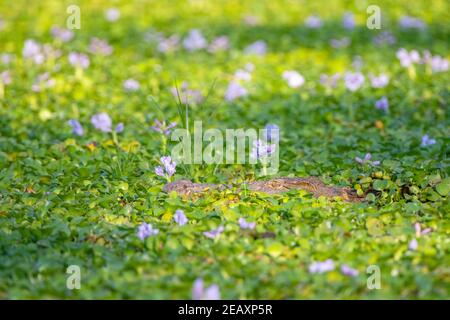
<point x="169" y="44"/>
<point x="102" y="122"/>
<point x="246" y="225"/>
<point x="379" y="81"/>
<point x="348" y="271"/>
<point x="313" y="22"/>
<point x="221" y="43"/>
<point x="194" y="41"/>
<point x="42" y="82"/>
<point x="329" y="81"/>
<point x="78" y="60"/>
<point x="180" y="217"/>
<point x="438" y="64"/>
<point x="119" y="128"/>
<point x="419" y="231"/>
<point x="353" y="81"/>
<point x="413" y="244"/>
<point x="385" y="38"/>
<point x="6" y="58"/>
<point x="77" y="129"/>
<point x="213" y="233"/>
<point x="131" y="85"/>
<point x="5" y="77"/>
<point x="251" y="20"/>
<point x="187" y="95"/>
<point x="348" y="21"/>
<point x="340" y="43"/>
<point x="382" y="104"/>
<point x="406" y="58"/>
<point x="31" y="48"/>
<point x="262" y="150"/>
<point x="112" y="14"/>
<point x="258" y="48"/>
<point x="407" y="22"/>
<point x="321" y="267"/>
<point x="242" y="75"/>
<point x="366" y="159"/>
<point x="62" y="34"/>
<point x="427" y="141"/>
<point x="161" y="127"/>
<point x="235" y="91"/>
<point x="100" y="47"/>
<point x="146" y="230"/>
<point x="272" y="133"/>
<point x="293" y="78"/>
<point x="200" y="293"/>
<point x="168" y="167"/>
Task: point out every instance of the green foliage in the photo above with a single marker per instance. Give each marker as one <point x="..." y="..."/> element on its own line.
<point x="68" y="200"/>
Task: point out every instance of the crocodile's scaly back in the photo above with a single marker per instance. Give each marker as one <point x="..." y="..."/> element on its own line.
<point x="272" y="186"/>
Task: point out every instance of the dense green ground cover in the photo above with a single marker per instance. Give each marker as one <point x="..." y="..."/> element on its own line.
<point x="78" y="200"/>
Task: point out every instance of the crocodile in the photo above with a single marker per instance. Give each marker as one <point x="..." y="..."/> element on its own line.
<point x="273" y="186"/>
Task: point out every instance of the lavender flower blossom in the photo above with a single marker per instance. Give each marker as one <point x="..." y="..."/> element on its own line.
<point x="168" y="167"/>
<point x="379" y="81"/>
<point x="78" y="60"/>
<point x="349" y="271"/>
<point x="6" y="58"/>
<point x="112" y="14"/>
<point x="384" y="38"/>
<point x="258" y="48"/>
<point x="235" y="91"/>
<point x="353" y="81"/>
<point x="214" y="233"/>
<point x="246" y="225"/>
<point x="251" y="20"/>
<point x="100" y="47"/>
<point x="161" y="127"/>
<point x="131" y="85"/>
<point x="272" y="133"/>
<point x="221" y="43"/>
<point x="32" y="50"/>
<point x="427" y="141"/>
<point x="146" y="230"/>
<point x="340" y="43"/>
<point x="187" y="95"/>
<point x="382" y="104"/>
<point x="407" y="22"/>
<point x="439" y="64"/>
<point x="366" y="160"/>
<point x="42" y="82"/>
<point x="413" y="245"/>
<point x="200" y="293"/>
<point x="194" y="41"/>
<point x="348" y="21"/>
<point x="261" y="150"/>
<point x="119" y="128"/>
<point x="242" y="75"/>
<point x="5" y="77"/>
<point x="293" y="78"/>
<point x="102" y="122"/>
<point x="322" y="267"/>
<point x="180" y="217"/>
<point x="169" y="44"/>
<point x="406" y="58"/>
<point x="419" y="231"/>
<point x="62" y="34"/>
<point x="329" y="81"/>
<point x="313" y="22"/>
<point x="77" y="128"/>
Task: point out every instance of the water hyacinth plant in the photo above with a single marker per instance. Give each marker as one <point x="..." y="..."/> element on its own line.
<point x="93" y="114"/>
